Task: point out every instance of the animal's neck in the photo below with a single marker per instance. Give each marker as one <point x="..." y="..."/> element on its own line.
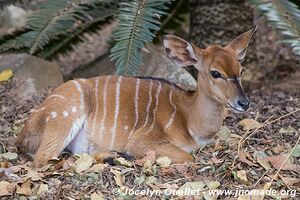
<point x="204" y="115"/>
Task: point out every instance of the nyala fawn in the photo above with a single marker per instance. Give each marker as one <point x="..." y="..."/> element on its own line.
<point x="110" y="114"/>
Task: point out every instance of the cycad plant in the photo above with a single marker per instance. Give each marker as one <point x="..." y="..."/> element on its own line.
<point x="58" y="25"/>
<point x="284" y="15"/>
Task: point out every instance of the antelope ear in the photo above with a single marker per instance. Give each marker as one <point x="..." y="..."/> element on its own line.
<point x="241" y="43"/>
<point x="179" y="51"/>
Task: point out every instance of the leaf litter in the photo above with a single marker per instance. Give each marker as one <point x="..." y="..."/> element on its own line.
<point x="263" y="155"/>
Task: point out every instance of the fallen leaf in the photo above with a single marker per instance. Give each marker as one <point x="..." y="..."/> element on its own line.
<point x="6" y="188"/>
<point x="151" y="180"/>
<point x="122" y="161"/>
<point x="97" y="196"/>
<point x="243" y="157"/>
<point x="289" y="181"/>
<point x="41" y="189"/>
<point x="34" y="175"/>
<point x="249" y="124"/>
<point x="277" y="161"/>
<point x="242" y="175"/>
<point x="196" y="186"/>
<point x="119" y="178"/>
<point x="296" y="151"/>
<point x="98" y="167"/>
<point x="164" y="161"/>
<point x="25" y="188"/>
<point x="261" y="159"/>
<point x="9" y="156"/>
<point x="83" y="163"/>
<point x="289" y="129"/>
<point x="5" y="75"/>
<point x="212" y="184"/>
<point x="224" y="133"/>
<point x="150" y="155"/>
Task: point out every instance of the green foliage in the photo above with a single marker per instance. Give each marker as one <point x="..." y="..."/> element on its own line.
<point x="58" y="25"/>
<point x="137" y="22"/>
<point x="285" y="16"/>
<point x="60" y="22"/>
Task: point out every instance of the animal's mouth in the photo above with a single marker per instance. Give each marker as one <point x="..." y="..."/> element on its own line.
<point x="235" y="109"/>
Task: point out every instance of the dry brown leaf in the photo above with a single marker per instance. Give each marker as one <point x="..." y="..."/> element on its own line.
<point x="6" y="188"/>
<point x="196" y="186"/>
<point x="289" y="181"/>
<point x="261" y="158"/>
<point x="122" y="161"/>
<point x="224" y="133"/>
<point x="150" y="155"/>
<point x="242" y="175"/>
<point x="98" y="167"/>
<point x="243" y="157"/>
<point x="249" y="124"/>
<point x="34" y="175"/>
<point x="41" y="189"/>
<point x="119" y="178"/>
<point x="25" y="188"/>
<point x="83" y="163"/>
<point x="277" y="161"/>
<point x="164" y="161"/>
<point x="97" y="196"/>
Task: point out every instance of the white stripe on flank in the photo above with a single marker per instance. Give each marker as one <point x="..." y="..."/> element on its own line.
<point x="96" y="110"/>
<point x="56" y="95"/>
<point x="77" y="125"/>
<point x="104" y="94"/>
<point x="174" y="111"/>
<point x="80" y="93"/>
<point x="149" y="104"/>
<point x="136" y="106"/>
<point x="117" y="105"/>
<point x="156" y="106"/>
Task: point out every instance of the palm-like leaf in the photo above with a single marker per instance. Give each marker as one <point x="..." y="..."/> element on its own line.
<point x="285" y="16"/>
<point x="137" y="21"/>
<point x="55" y="19"/>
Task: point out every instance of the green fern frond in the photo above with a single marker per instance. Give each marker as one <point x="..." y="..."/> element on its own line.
<point x="285" y="16"/>
<point x="55" y="18"/>
<point x="137" y="21"/>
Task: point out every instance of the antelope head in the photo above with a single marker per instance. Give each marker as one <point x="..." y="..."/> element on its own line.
<point x="219" y="67"/>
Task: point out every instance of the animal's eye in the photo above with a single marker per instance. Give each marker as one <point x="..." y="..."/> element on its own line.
<point x="215" y="74"/>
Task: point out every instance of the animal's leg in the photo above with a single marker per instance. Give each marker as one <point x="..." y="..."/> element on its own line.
<point x="143" y="141"/>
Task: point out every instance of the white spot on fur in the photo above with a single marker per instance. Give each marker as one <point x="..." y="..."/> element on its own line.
<point x="47" y="119"/>
<point x="126" y="128"/>
<point x="65" y="114"/>
<point x="74" y="109"/>
<point x="53" y="115"/>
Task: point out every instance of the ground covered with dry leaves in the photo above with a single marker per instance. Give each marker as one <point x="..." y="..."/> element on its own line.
<point x="258" y="150"/>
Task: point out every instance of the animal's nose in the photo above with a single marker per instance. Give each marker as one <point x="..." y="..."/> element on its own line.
<point x="244" y="103"/>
